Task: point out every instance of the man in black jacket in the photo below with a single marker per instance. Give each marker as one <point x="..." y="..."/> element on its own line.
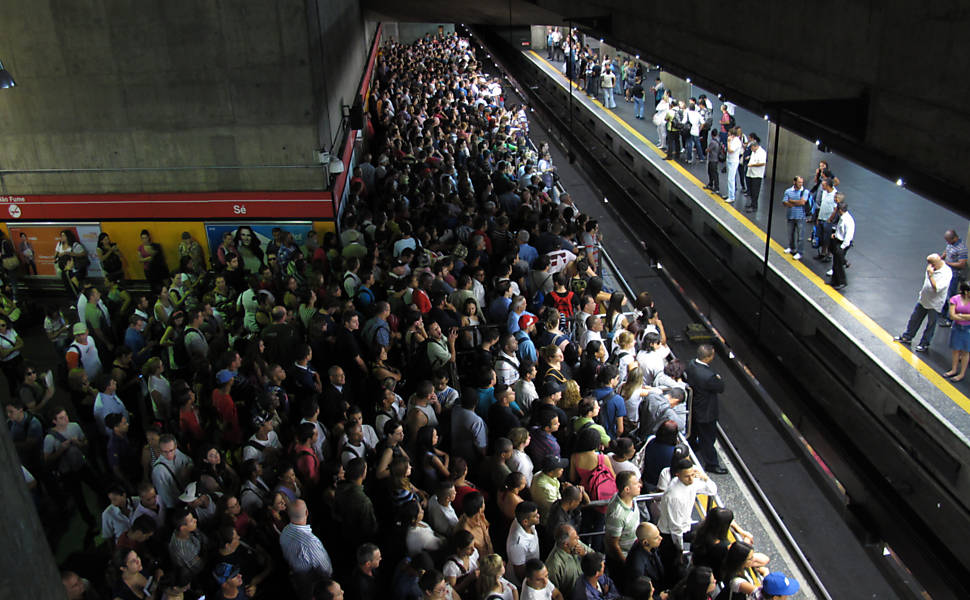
<point x="707" y="384"/>
<point x="643" y="559"/>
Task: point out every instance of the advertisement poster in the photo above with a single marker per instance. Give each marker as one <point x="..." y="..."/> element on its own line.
<point x="40" y="242"/>
<point x="263" y="232"/>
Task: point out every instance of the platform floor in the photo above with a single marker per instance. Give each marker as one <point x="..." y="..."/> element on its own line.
<point x="895" y="230"/>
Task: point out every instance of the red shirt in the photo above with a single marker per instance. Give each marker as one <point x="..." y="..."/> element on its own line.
<point x="420" y="299"/>
<point x="307" y="464"/>
<point x="226" y="409"/>
<point x="189" y="423"/>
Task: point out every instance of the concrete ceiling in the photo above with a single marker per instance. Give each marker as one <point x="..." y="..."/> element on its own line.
<point x="483" y="12"/>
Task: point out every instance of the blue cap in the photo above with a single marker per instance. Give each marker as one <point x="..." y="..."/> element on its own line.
<point x="224" y="376"/>
<point x="778" y="584"/>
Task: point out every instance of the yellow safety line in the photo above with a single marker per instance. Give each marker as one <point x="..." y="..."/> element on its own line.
<point x="945" y="386"/>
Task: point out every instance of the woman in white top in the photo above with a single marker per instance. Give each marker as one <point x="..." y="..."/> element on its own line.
<point x="420" y="537"/>
<point x="633" y="392"/>
<point x="519" y="460"/>
<point x="163" y="306"/>
<point x="158" y="388"/>
<point x="491" y="583"/>
<point x="652" y="357"/>
<point x="624" y="353"/>
<point x="623" y="451"/>
<point x="461" y="568"/>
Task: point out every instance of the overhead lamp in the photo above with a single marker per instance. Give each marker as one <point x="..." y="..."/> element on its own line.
<point x="900" y="182"/>
<point x="6" y="79"/>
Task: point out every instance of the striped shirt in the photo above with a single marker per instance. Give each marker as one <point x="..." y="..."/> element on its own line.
<point x="303" y="551"/>
<point x="796" y="213"/>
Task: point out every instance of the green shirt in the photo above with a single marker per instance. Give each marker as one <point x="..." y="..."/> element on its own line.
<point x="545" y="492"/>
<point x="93" y="316"/>
<point x="438" y="353"/>
<point x="579" y="422"/>
<point x="564" y="568"/>
<point x="622" y="522"/>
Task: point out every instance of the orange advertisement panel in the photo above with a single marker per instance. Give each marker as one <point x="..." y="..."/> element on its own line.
<point x="36" y="244"/>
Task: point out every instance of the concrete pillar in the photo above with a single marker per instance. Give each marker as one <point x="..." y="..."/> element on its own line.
<point x="679" y="88"/>
<point x="539" y="33"/>
<point x="27" y="568"/>
<point x="796" y="156"/>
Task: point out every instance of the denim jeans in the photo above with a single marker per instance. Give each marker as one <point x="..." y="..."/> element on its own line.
<point x="796" y="234"/>
<point x="920" y="312"/>
<point x="692" y="143"/>
<point x="638" y="107"/>
<point x="732" y="179"/>
<point x="608" y="98"/>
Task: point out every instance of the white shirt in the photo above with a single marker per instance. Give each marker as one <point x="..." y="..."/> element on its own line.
<point x="936" y="299"/>
<point x="452" y="568"/>
<point x="677" y="504"/>
<point x="506" y="369"/>
<point x="759" y="156"/>
<point x="529" y="593"/>
<point x="272" y="441"/>
<point x="826" y="203"/>
<point x="525" y="394"/>
<point x="421" y="538"/>
<point x="652" y="362"/>
<point x="441" y="518"/>
<point x="694" y="118"/>
<point x="590" y="336"/>
<point x="520" y="547"/>
<point x="89" y="357"/>
<point x="734" y="149"/>
<point x="845" y="230"/>
<point x="520" y="462"/>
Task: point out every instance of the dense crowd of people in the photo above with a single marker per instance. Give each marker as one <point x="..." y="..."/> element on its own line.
<point x="433" y="404"/>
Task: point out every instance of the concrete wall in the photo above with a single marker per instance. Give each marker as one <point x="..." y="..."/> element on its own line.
<point x="174" y="83"/>
<point x="407" y="33"/>
<point x="339" y="46"/>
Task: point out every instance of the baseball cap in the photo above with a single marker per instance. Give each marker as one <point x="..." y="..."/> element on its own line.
<point x="223" y="376"/>
<point x="526" y="320"/>
<point x="186" y="235"/>
<point x="550" y="387"/>
<point x="552" y="462"/>
<point x="778" y="584"/>
<point x="224" y="572"/>
<point x="261" y="417"/>
<point x="80" y="328"/>
<point x="190" y="494"/>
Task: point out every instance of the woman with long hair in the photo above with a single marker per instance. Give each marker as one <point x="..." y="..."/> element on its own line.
<point x="492" y="585"/>
<point x="730" y="573"/>
<point x="129" y="577"/>
<point x="633" y="393"/>
<point x="432" y="462"/>
<point x="699" y="584"/>
<point x="594" y="357"/>
<point x="159" y="389"/>
<point x="419" y="537"/>
<point x="110" y="256"/>
<point x="247" y="246"/>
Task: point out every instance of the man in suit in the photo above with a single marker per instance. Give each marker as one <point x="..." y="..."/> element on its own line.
<point x="707" y="384"/>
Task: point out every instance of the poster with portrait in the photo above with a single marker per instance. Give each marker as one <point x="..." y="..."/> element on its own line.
<point x="251" y="235"/>
<point x="37" y="244"/>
